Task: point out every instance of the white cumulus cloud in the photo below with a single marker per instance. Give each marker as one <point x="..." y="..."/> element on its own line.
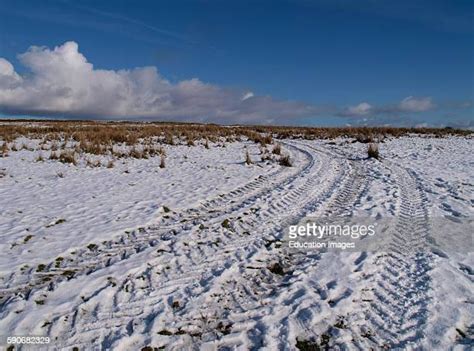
<point x="361" y="109"/>
<point x="412" y="104"/>
<point x="8" y="76"/>
<point x="62" y="82"/>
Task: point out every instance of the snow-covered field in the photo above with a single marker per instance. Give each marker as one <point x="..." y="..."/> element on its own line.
<point x="190" y="256"/>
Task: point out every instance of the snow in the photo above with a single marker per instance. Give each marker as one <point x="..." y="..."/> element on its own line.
<point x="198" y="275"/>
<point x="94" y="204"/>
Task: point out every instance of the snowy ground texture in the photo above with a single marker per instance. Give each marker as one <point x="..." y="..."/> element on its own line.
<point x="179" y="258"/>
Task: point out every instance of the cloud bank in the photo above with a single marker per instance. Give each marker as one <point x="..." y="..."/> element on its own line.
<point x="63" y="82"/>
<point x="409" y="104"/>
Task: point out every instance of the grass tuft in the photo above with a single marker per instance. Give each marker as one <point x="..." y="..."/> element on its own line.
<point x="92" y="247"/>
<point x="276" y="268"/>
<point x="248" y="160"/>
<point x="68" y="156"/>
<point x="277" y="149"/>
<point x="162" y="161"/>
<point x="373" y="151"/>
<point x="285" y="161"/>
<point x="226" y="224"/>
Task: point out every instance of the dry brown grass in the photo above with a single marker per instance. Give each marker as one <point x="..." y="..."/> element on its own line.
<point x="91" y="134"/>
<point x="68" y="156"/>
<point x="93" y="164"/>
<point x="53" y="156"/>
<point x="285" y="161"/>
<point x="4" y="150"/>
<point x="40" y="158"/>
<point x="248" y="160"/>
<point x="373" y="151"/>
<point x="277" y="149"/>
<point x="68" y="140"/>
<point x="136" y="153"/>
<point x="266" y="157"/>
<point x="162" y="161"/>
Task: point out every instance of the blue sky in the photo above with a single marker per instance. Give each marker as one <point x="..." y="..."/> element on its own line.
<point x="282" y="62"/>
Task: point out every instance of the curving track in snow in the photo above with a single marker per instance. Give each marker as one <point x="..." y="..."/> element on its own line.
<point x="196" y="265"/>
<point x="202" y="277"/>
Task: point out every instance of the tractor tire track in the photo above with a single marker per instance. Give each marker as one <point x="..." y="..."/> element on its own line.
<point x="294" y="187"/>
<point x="395" y="312"/>
<point x="86" y="261"/>
<point x="195" y="274"/>
<point x="241" y="295"/>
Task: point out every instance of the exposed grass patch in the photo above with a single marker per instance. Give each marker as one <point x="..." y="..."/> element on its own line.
<point x="4" y="150"/>
<point x="285" y="161"/>
<point x="162" y="161"/>
<point x="364" y="138"/>
<point x="276" y="268"/>
<point x="225" y="329"/>
<point x="69" y="274"/>
<point x="57" y="262"/>
<point x="341" y="323"/>
<point x="68" y="156"/>
<point x="307" y="345"/>
<point x="53" y="156"/>
<point x="150" y="348"/>
<point x="248" y="160"/>
<point x="312" y="345"/>
<point x="276" y="149"/>
<point x="92" y="247"/>
<point x="60" y="220"/>
<point x="226" y="224"/>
